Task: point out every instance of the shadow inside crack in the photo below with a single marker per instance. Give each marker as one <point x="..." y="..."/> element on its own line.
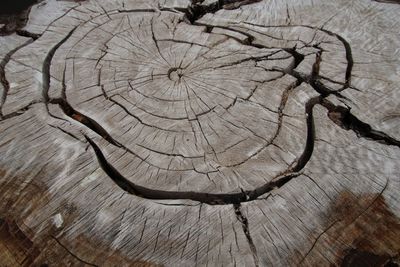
<point x="14" y="14"/>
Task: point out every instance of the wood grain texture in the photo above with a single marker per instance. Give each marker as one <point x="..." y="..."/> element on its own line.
<point x="201" y="133"/>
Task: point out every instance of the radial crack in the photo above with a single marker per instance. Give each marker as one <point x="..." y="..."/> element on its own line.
<point x="345" y="119"/>
<point x="245" y="225"/>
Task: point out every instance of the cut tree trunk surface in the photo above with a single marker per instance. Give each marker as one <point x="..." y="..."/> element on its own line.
<point x="200" y="133"/>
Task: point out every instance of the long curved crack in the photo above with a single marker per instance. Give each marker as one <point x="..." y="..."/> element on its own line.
<point x="245" y="225"/>
<point x="215" y="198"/>
<point x="340" y="115"/>
<point x="206" y="198"/>
<point x="96" y="127"/>
<point x="346" y="120"/>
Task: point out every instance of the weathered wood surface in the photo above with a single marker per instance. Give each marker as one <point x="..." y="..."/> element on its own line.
<point x="178" y="133"/>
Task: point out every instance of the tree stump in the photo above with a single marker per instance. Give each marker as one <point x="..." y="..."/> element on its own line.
<point x="200" y="133"/>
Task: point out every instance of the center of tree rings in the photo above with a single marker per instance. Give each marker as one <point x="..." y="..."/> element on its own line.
<point x="198" y="112"/>
<point x="175" y="74"/>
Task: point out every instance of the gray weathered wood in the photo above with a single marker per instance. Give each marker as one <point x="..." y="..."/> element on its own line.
<point x="209" y="133"/>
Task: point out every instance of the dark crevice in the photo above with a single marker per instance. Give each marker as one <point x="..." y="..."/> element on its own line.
<point x="18" y="112"/>
<point x="85" y="120"/>
<point x="9" y="7"/>
<point x="140" y="191"/>
<point x="306" y="156"/>
<point x="313" y="79"/>
<point x="315" y="84"/>
<point x="193" y="13"/>
<point x="338" y="114"/>
<point x="345" y="43"/>
<point x="249" y="38"/>
<point x="178" y="204"/>
<point x="349" y="57"/>
<point x="197" y="10"/>
<point x="14" y="15"/>
<point x="144" y="10"/>
<point x="62" y="102"/>
<point x="25" y="33"/>
<point x="245" y="225"/>
<point x="47" y="64"/>
<point x="343" y="117"/>
<point x="208" y="29"/>
<point x="227" y="198"/>
<point x="297" y="57"/>
<point x="212" y="198"/>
